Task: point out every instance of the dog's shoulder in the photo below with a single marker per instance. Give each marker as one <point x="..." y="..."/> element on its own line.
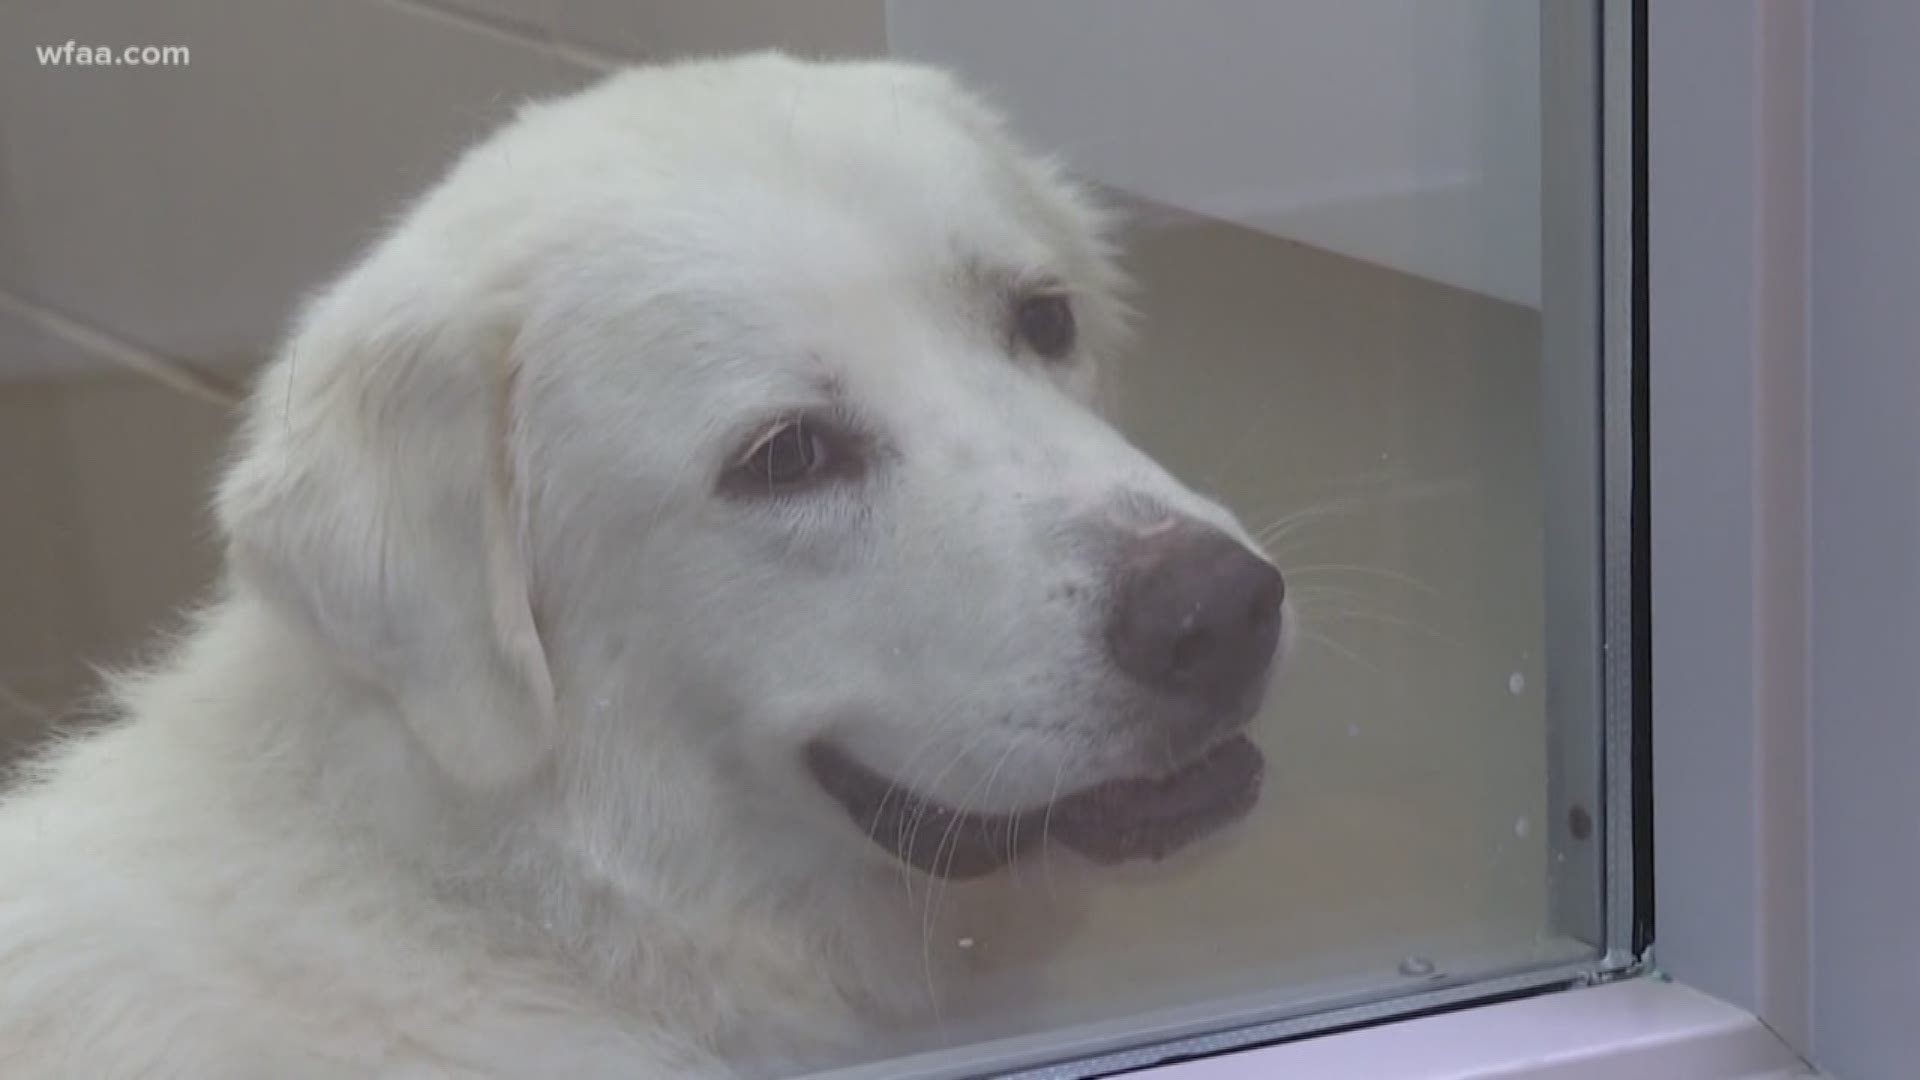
<point x="96" y="975"/>
<point x="146" y="928"/>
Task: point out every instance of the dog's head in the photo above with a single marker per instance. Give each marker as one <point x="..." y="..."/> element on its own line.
<point x="742" y="413"/>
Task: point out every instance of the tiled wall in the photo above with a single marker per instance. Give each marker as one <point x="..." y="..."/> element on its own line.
<point x="186" y="208"/>
<point x="158" y="225"/>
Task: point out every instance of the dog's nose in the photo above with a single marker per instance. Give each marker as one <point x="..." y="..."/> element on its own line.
<point x="1195" y="614"/>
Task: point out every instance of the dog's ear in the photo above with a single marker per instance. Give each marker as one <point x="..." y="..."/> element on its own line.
<point x="375" y="504"/>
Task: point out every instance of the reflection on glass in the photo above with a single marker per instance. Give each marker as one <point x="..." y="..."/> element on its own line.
<point x="1334" y="229"/>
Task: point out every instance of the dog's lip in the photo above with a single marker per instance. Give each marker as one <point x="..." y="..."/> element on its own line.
<point x="1115" y="821"/>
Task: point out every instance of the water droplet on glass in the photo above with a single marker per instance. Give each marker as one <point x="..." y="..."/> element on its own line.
<point x="1416" y="967"/>
<point x="1579" y="822"/>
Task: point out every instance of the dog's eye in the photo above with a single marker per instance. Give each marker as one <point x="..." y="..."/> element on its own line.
<point x="1045" y="325"/>
<point x="792" y="454"/>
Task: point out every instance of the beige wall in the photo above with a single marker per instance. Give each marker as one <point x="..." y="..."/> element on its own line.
<point x="102" y="481"/>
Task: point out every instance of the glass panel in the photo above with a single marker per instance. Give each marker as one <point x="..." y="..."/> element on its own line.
<point x="1364" y="239"/>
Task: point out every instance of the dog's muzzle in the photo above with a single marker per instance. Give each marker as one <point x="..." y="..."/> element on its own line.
<point x="1192" y="625"/>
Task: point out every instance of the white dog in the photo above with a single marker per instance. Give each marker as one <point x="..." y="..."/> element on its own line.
<point x="688" y="522"/>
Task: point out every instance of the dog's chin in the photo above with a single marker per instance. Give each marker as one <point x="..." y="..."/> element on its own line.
<point x="1123" y="820"/>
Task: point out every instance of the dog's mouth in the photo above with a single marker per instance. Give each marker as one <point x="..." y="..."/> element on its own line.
<point x="1123" y="820"/>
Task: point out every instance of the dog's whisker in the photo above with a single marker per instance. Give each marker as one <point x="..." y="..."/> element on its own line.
<point x="939" y="733"/>
<point x="1309" y="603"/>
<point x="1380" y="572"/>
<point x="923" y="803"/>
<point x="1013" y="744"/>
<point x="926" y="924"/>
<point x="1384" y="619"/>
<point x="956" y="824"/>
<point x="903" y="790"/>
<point x="1046" y="828"/>
<point x="1341" y="650"/>
<point x="1275" y="530"/>
<point x="1270" y="535"/>
<point x="873" y="834"/>
<point x="1013" y="846"/>
<point x="910" y="833"/>
<point x="1313" y="598"/>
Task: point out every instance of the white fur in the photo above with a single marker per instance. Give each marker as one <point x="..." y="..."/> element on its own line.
<point x="483" y="762"/>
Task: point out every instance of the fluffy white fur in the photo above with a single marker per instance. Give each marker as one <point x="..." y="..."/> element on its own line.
<point x="483" y="760"/>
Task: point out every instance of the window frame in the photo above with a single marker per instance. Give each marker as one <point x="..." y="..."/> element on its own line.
<point x="1721" y="339"/>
